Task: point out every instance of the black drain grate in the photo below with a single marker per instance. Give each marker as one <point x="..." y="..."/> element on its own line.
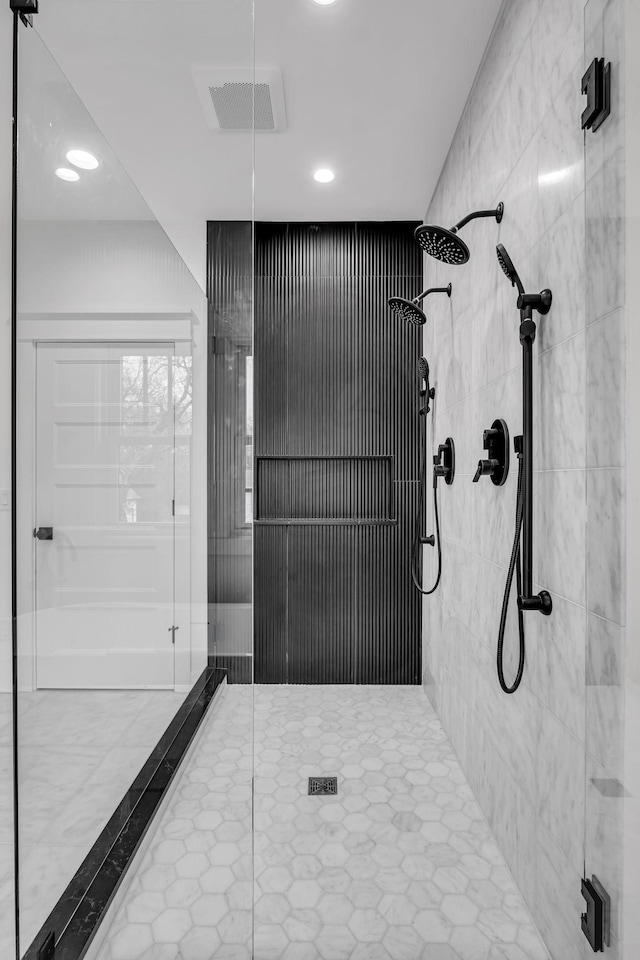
<point x="323" y="786"/>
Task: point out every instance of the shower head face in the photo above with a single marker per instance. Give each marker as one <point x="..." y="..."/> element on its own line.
<point x="508" y="268"/>
<point x="407" y="310"/>
<point x="423" y="369"/>
<point x="442" y="244"/>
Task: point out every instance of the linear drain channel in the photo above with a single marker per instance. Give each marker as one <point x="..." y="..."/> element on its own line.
<point x="323" y="786"/>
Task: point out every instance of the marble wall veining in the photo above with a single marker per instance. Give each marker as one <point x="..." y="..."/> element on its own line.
<point x="545" y="763"/>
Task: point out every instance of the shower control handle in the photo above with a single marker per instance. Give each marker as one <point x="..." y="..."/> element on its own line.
<point x="496" y="442"/>
<point x="486" y="468"/>
<point x="444" y="463"/>
<point x="430" y="540"/>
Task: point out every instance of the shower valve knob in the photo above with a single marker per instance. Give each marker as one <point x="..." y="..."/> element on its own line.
<point x="444" y="463"/>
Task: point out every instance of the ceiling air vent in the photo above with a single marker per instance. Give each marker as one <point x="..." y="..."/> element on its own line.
<point x="233" y="99"/>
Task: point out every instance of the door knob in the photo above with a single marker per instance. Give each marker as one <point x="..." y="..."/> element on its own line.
<point x="43" y="533"/>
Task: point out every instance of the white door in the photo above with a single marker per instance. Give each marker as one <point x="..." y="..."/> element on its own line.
<point x="105" y="453"/>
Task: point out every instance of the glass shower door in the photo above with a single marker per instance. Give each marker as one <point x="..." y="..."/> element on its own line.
<point x="606" y="786"/>
<point x="121" y="163"/>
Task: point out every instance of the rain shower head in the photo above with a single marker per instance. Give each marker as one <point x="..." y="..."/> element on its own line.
<point x="508" y="268"/>
<point x="442" y="244"/>
<point x="409" y="310"/>
<point x="445" y="245"/>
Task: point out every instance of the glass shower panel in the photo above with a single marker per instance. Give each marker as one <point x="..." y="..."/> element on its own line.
<point x="121" y="164"/>
<point x="605" y="786"/>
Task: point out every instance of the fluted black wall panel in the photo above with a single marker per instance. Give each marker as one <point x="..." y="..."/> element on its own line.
<point x="335" y="376"/>
<point x="336" y="250"/>
<point x="322" y="604"/>
<point x="271" y="586"/>
<point x="387" y="638"/>
<point x="337" y="372"/>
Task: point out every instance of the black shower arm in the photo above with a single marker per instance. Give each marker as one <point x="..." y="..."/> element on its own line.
<point x="496" y="213"/>
<point x="426" y="293"/>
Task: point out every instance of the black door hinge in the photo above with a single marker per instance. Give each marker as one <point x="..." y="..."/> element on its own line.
<point x="596" y="922"/>
<point x="26" y="9"/>
<point x="596" y="84"/>
<point x="48" y="949"/>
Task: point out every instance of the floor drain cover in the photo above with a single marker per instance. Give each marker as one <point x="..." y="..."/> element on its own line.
<point x="323" y="785"/>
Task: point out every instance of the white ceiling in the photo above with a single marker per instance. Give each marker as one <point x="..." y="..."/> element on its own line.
<point x="373" y="88"/>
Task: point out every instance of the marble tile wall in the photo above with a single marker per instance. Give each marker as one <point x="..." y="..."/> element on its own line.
<point x="545" y="763"/>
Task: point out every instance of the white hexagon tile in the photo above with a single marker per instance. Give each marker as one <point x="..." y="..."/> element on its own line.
<point x="399" y="865"/>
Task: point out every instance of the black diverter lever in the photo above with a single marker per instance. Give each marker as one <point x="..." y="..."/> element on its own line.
<point x="486" y="468"/>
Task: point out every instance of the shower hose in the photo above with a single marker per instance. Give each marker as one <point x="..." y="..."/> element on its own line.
<point x="514" y="563"/>
<point x="415" y="547"/>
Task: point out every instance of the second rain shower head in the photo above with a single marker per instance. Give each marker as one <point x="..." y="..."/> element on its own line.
<point x="445" y="245"/>
<point x="410" y="310"/>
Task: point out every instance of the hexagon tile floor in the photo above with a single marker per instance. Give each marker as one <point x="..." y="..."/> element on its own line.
<point x="400" y="865"/>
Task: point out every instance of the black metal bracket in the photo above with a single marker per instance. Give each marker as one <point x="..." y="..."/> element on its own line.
<point x="48" y="949"/>
<point x="596" y="922"/>
<point x="25" y="9"/>
<point x="527" y="302"/>
<point x="496" y="443"/>
<point x="596" y="84"/>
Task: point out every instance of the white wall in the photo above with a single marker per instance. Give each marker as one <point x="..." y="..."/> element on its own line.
<point x="545" y="763"/>
<point x="6" y="828"/>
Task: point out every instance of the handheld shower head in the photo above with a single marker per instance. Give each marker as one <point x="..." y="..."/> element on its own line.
<point x="508" y="268"/>
<point x="409" y="310"/>
<point x="426" y="389"/>
<point x="526" y="301"/>
<point x="445" y="245"/>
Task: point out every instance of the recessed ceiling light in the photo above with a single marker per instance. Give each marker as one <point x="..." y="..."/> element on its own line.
<point x="324" y="1"/>
<point x="82" y="159"/>
<point x="323" y="175"/>
<point x="65" y="174"/>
